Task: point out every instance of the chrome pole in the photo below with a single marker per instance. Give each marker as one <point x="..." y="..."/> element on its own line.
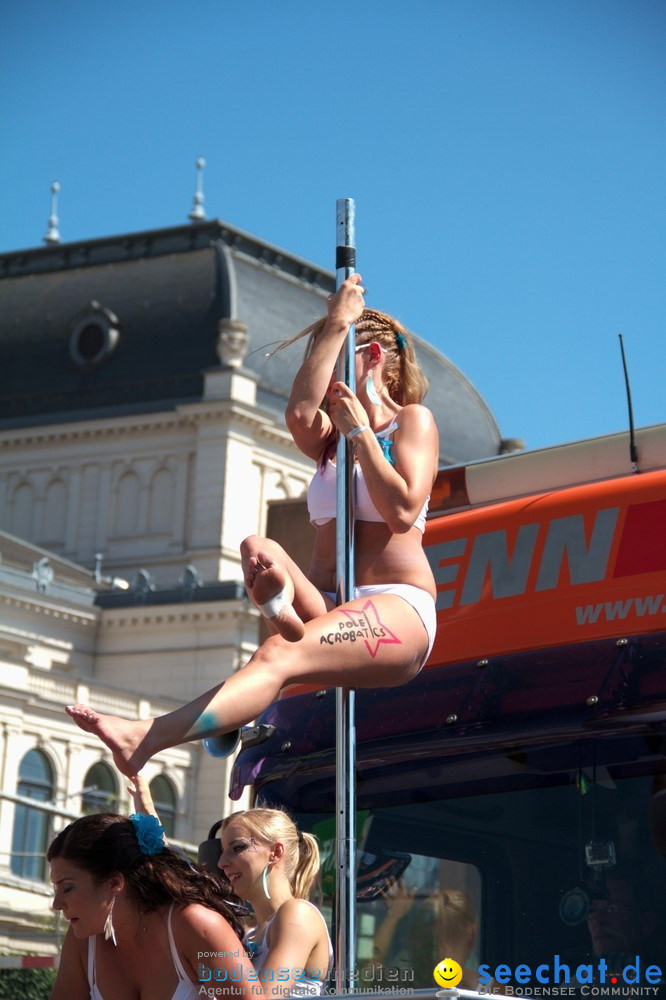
<point x="345" y="853"/>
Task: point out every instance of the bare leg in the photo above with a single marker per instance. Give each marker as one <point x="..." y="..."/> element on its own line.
<point x="369" y="642"/>
<point x="127" y="739"/>
<point x="132" y="743"/>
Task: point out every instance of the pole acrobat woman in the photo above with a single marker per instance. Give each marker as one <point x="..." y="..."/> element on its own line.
<point x="382" y="634"/>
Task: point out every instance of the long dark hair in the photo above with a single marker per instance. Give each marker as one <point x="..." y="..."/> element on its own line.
<point x="105" y="844"/>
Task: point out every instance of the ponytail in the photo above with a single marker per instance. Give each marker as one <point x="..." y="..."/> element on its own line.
<point x="307" y="867"/>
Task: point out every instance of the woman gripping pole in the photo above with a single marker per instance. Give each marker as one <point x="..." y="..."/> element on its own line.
<point x="381" y="637"/>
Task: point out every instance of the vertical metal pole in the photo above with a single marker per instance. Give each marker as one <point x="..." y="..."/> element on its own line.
<point x="345" y="897"/>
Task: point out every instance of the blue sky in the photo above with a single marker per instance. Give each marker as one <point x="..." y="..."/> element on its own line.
<point x="507" y="158"/>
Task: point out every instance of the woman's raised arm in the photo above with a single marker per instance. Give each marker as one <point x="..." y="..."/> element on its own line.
<point x="309" y="424"/>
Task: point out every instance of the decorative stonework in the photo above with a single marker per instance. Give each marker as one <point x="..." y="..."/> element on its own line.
<point x="232" y="342"/>
<point x="40" y="609"/>
<point x="155" y="616"/>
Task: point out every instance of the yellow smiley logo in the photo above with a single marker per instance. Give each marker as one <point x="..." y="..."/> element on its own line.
<point x="448" y="973"/>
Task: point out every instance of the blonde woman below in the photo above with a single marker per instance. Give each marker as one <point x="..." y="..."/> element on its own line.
<point x="383" y="635"/>
<point x="273" y="866"/>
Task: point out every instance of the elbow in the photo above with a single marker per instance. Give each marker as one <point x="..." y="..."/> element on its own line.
<point x="298" y="416"/>
<point x="401" y="521"/>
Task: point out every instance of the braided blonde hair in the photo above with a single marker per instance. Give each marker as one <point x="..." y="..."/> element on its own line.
<point x="405" y="381"/>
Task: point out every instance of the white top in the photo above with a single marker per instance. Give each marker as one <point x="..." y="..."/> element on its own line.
<point x="185" y="990"/>
<point x="322" y="490"/>
<point x="305" y="986"/>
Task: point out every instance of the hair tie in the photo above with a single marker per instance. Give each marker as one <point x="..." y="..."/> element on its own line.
<point x="149" y="833"/>
<point x="400" y="341"/>
<point x="300" y="837"/>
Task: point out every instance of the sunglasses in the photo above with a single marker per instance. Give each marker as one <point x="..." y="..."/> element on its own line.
<point x="362" y="347"/>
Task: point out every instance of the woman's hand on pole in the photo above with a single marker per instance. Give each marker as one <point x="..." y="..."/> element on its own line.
<point x="310" y="426"/>
<point x="346" y="305"/>
<point x="345" y="409"/>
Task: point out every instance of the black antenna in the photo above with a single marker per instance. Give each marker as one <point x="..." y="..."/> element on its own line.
<point x="633" y="451"/>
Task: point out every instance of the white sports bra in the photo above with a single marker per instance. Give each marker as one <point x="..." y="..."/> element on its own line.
<point x="322" y="490"/>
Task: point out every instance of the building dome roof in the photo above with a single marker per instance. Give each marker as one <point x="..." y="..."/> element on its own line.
<point x="131" y="323"/>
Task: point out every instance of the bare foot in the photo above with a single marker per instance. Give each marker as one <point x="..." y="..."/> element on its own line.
<point x="124" y="738"/>
<point x="266" y="581"/>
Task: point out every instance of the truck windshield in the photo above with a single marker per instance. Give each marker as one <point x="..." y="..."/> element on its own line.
<point x="554" y="869"/>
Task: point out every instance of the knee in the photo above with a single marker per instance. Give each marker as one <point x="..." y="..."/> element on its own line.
<point x="254" y="544"/>
<point x="251" y="544"/>
<point x="274" y="656"/>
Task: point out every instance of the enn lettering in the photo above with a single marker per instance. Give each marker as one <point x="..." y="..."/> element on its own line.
<point x="489" y="557"/>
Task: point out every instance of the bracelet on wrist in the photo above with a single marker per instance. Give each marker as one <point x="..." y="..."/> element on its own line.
<point x="357" y="430"/>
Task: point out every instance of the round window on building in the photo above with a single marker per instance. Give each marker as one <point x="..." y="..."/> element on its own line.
<point x="94" y="336"/>
<point x="32" y="827"/>
<point x="100" y="790"/>
<point x="164" y="797"/>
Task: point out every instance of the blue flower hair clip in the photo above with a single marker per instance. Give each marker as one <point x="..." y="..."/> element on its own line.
<point x="149" y="832"/>
<point x="400" y="341"/>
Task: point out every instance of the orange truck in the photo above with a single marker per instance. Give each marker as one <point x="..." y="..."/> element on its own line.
<point x="512" y="798"/>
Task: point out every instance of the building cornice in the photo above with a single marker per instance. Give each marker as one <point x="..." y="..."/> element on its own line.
<point x="164" y="615"/>
<point x="42" y="606"/>
<point x="185" y="417"/>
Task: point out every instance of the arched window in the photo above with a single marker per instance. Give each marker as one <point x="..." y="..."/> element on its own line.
<point x="55" y="509"/>
<point x="32" y="827"/>
<point x="127" y="504"/>
<point x="164" y="797"/>
<point x="22" y="516"/>
<point x="160" y="504"/>
<point x="100" y="790"/>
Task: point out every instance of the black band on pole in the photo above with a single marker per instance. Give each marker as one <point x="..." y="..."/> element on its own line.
<point x="345" y="257"/>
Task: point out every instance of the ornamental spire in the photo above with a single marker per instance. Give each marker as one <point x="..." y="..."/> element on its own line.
<point x="197" y="214"/>
<point x="52" y="234"/>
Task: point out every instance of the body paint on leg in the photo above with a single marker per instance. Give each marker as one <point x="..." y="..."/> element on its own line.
<point x="208" y="724"/>
<point x="365" y="625"/>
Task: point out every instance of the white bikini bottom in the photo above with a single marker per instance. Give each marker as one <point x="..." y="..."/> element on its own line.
<point x="420" y="600"/>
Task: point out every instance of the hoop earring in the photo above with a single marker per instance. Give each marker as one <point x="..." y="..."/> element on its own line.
<point x="109" y="931"/>
<point x="264" y="882"/>
<point x="371" y="391"/>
